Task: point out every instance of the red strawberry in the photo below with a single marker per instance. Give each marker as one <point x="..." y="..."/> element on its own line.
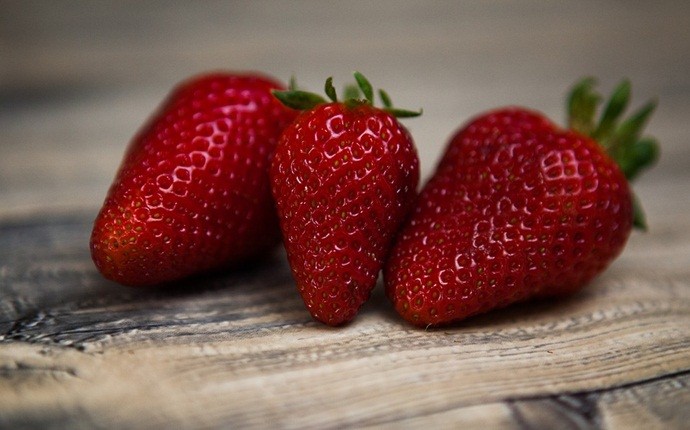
<point x="343" y="177"/>
<point x="519" y="208"/>
<point x="192" y="193"/>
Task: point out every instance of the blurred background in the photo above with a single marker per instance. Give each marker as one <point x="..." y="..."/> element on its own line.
<point x="77" y="78"/>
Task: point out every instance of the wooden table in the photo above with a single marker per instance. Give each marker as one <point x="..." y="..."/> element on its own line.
<point x="239" y="350"/>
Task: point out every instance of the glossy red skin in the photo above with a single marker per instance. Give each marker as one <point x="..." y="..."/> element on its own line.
<point x="192" y="193"/>
<point x="516" y="209"/>
<point x="343" y="179"/>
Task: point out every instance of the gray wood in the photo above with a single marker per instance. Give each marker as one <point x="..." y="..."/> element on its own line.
<point x="239" y="349"/>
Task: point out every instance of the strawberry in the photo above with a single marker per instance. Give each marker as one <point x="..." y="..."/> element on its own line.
<point x="344" y="176"/>
<point x="519" y="208"/>
<point x="192" y="193"/>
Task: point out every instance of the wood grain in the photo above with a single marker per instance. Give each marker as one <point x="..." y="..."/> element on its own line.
<point x="238" y="349"/>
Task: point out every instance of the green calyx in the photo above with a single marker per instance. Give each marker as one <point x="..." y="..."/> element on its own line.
<point x="361" y="93"/>
<point x="620" y="137"/>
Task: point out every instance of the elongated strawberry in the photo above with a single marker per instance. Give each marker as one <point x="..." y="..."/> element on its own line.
<point x="519" y="208"/>
<point x="192" y="193"/>
<point x="343" y="177"/>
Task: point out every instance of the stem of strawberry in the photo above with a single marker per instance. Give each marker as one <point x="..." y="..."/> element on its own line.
<point x="304" y="100"/>
<point x="351" y="92"/>
<point x="365" y="86"/>
<point x="622" y="139"/>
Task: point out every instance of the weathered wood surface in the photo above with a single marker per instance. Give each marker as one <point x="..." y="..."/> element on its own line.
<point x="238" y="349"/>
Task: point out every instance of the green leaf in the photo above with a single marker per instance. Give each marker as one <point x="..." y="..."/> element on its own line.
<point x="365" y="86"/>
<point x="582" y="105"/>
<point x="403" y="113"/>
<point x="639" y="217"/>
<point x="617" y="104"/>
<point x="300" y="100"/>
<point x="330" y="90"/>
<point x="638" y="156"/>
<point x="385" y="99"/>
<point x="629" y="130"/>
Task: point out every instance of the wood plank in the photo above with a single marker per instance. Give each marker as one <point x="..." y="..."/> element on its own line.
<point x="239" y="348"/>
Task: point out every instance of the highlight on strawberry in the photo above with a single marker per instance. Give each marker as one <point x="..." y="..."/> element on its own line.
<point x="344" y="176"/>
<point x="519" y="208"/>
